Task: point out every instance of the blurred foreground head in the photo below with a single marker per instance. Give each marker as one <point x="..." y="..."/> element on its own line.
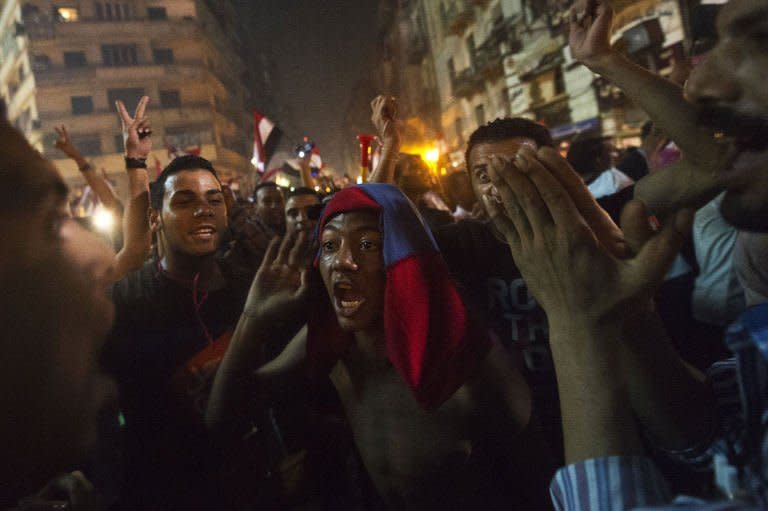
<point x="54" y="316"/>
<point x="729" y="89"/>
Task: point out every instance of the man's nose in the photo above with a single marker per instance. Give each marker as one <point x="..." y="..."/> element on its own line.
<point x="344" y="260"/>
<point x="203" y="210"/>
<point x="712" y="81"/>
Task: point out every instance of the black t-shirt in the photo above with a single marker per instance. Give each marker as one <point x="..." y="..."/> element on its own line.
<point x="494" y="290"/>
<point x="166" y="344"/>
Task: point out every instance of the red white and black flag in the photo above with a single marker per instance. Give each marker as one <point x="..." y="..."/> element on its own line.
<point x="266" y="136"/>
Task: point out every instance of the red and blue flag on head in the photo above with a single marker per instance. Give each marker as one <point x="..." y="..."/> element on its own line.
<point x="430" y="339"/>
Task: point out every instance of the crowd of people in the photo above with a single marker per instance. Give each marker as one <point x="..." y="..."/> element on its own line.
<point x="586" y="332"/>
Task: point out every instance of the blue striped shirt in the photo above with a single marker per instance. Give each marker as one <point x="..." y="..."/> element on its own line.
<point x="740" y="385"/>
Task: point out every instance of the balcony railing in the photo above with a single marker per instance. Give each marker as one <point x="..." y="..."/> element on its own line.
<point x="458" y="16"/>
<point x="504" y="33"/>
<point x="467" y="83"/>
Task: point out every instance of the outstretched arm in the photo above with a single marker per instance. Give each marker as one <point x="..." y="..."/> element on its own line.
<point x="277" y="294"/>
<point x="137" y="238"/>
<point x="95" y="180"/>
<point x="384" y="117"/>
<point x="662" y="100"/>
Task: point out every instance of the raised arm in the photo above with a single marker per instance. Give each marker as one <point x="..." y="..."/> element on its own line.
<point x="137" y="238"/>
<point x="384" y="117"/>
<point x="305" y="168"/>
<point x="95" y="180"/>
<point x="277" y="294"/>
<point x="662" y="100"/>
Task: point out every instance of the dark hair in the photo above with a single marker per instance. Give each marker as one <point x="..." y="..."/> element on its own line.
<point x="584" y="154"/>
<point x="509" y="127"/>
<point x="186" y="162"/>
<point x="301" y="190"/>
<point x="267" y="184"/>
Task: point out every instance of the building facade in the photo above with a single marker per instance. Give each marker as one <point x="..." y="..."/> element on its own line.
<point x="498" y="58"/>
<point x="17" y="81"/>
<point x="184" y="54"/>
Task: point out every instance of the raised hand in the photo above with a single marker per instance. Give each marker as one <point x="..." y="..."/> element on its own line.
<point x="568" y="268"/>
<point x="280" y="285"/>
<point x="384" y="118"/>
<point x="137" y="130"/>
<point x="64" y="143"/>
<point x="590" y="31"/>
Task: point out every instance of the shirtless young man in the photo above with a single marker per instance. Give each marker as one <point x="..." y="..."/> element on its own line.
<point x="437" y="417"/>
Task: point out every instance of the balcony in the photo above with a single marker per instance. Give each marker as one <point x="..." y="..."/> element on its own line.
<point x="488" y="61"/>
<point x="458" y="16"/>
<point x="503" y="32"/>
<point x="467" y="83"/>
<point x="44" y="28"/>
<point x="58" y="75"/>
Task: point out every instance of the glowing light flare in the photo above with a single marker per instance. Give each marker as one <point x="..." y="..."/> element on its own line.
<point x="432" y="156"/>
<point x="103" y="219"/>
<point x="359" y="180"/>
<point x="282" y="182"/>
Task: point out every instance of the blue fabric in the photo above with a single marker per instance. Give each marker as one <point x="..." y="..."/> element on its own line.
<point x="405" y="232"/>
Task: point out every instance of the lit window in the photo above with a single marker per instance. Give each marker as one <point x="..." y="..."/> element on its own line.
<point x="67" y="14"/>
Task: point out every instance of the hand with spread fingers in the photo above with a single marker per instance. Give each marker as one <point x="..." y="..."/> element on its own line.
<point x="137" y="130"/>
<point x="280" y="285"/>
<point x="572" y="258"/>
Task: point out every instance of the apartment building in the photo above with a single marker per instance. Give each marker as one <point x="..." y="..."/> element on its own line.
<point x="183" y="54"/>
<point x="17" y="82"/>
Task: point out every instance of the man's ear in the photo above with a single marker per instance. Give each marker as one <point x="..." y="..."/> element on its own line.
<point x="155" y="220"/>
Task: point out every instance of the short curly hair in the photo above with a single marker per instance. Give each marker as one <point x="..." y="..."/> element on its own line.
<point x="509" y="127"/>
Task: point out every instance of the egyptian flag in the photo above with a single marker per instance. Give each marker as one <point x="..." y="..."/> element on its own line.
<point x="266" y="136"/>
<point x="430" y="339"/>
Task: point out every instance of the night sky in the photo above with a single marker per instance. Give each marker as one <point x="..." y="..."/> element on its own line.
<point x="319" y="48"/>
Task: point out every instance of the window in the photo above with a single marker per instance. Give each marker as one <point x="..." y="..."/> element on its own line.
<point x="130" y="97"/>
<point x="157" y="13"/>
<point x="41" y="62"/>
<point x="88" y="145"/>
<point x="163" y="55"/>
<point x="82" y="105"/>
<point x="170" y="99"/>
<point x="112" y="11"/>
<point x="66" y="14"/>
<point x="119" y="54"/>
<point x="480" y="114"/>
<point x="75" y="59"/>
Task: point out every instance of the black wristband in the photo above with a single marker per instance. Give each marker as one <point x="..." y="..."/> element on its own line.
<point x="85" y="167"/>
<point x="135" y="163"/>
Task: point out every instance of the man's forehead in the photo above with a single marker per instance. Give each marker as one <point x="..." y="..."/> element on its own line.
<point x="192" y="180"/>
<point x="738" y="14"/>
<point x="506" y="147"/>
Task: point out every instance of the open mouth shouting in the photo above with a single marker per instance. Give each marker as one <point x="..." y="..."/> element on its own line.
<point x="347" y="300"/>
<point x="747" y="136"/>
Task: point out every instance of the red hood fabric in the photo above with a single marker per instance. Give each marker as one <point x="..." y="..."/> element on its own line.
<point x="430" y="339"/>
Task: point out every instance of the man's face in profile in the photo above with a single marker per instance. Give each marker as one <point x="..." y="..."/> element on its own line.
<point x="729" y="87"/>
<point x="56" y="315"/>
